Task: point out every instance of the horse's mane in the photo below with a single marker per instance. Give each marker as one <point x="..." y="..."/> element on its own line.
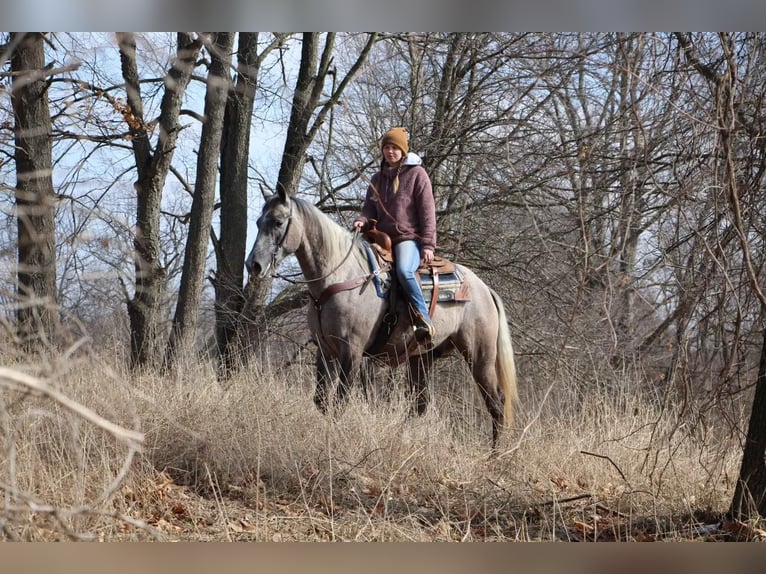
<point x="336" y="239"/>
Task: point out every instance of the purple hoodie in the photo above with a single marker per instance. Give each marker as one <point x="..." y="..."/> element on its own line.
<point x="408" y="214"/>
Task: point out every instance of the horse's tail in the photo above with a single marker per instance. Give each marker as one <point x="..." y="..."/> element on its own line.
<point x="505" y="366"/>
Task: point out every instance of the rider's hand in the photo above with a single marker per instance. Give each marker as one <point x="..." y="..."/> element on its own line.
<point x="428" y="255"/>
<point x="358" y="226"/>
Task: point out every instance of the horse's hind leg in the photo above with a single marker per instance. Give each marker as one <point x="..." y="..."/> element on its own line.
<point x="417" y="382"/>
<point x="486" y="378"/>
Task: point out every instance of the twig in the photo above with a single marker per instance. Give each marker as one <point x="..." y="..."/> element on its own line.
<point x="356" y="464"/>
<point x="565" y="500"/>
<point x="539" y="413"/>
<point x="62" y="515"/>
<point x="131" y="437"/>
<point x="604" y="508"/>
<point x="607" y="458"/>
<point x="496" y="485"/>
<point x="218" y="497"/>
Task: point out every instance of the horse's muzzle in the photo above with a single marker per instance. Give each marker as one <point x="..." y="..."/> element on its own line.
<point x="253" y="268"/>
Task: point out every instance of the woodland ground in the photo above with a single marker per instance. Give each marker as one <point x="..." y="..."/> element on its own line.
<point x="252" y="459"/>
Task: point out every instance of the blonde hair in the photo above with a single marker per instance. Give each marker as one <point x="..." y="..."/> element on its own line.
<point x="396" y="177"/>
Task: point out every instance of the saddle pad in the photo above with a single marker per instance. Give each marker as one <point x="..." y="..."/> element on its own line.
<point x="452" y="285"/>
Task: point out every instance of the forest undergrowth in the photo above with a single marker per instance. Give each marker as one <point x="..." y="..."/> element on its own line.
<point x="596" y="458"/>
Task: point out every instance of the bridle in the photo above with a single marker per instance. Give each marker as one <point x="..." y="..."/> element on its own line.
<point x="279" y="243"/>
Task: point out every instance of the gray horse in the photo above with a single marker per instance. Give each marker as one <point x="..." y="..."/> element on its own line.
<point x="346" y="312"/>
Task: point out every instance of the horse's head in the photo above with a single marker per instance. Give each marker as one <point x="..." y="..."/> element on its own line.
<point x="272" y="242"/>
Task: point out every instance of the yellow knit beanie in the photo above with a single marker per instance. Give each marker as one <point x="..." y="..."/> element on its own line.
<point x="397" y="136"/>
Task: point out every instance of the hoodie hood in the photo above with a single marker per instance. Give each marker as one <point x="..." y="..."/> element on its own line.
<point x="412" y="159"/>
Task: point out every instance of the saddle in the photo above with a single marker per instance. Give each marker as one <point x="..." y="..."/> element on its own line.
<point x="441" y="280"/>
<point x="379" y="240"/>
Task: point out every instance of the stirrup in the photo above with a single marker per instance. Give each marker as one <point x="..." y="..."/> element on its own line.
<point x="424" y="331"/>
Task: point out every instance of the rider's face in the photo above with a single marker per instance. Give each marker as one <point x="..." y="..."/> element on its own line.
<point x="392" y="154"/>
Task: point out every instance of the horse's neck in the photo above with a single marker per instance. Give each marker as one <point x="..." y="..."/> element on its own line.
<point x="310" y="262"/>
<point x="321" y="262"/>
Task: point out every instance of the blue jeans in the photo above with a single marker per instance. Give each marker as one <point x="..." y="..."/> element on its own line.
<point x="407" y="258"/>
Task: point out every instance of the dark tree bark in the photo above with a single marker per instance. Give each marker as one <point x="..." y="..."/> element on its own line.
<point x="308" y="88"/>
<point x="203" y="202"/>
<point x="750" y="493"/>
<point x="153" y="166"/>
<point x="749" y="498"/>
<point x="231" y="247"/>
<point x="737" y="163"/>
<point x="314" y="70"/>
<point x="35" y="198"/>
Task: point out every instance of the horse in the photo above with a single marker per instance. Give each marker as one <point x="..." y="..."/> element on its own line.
<point x="346" y="311"/>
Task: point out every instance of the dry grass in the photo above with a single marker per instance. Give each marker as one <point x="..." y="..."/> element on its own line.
<point x="254" y="460"/>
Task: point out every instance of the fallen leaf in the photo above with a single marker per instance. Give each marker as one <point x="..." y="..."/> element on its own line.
<point x="243" y="525"/>
<point x="583" y="527"/>
<point x="179" y="509"/>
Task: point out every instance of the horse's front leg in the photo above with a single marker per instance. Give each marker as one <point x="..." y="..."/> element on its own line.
<point x="417" y="381"/>
<point x="349" y="365"/>
<point x="326" y="373"/>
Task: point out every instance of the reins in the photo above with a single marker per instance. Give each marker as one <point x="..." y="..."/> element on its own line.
<point x="325" y="276"/>
<point x="330" y="290"/>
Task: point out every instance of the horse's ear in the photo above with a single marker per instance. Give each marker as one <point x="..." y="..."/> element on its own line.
<point x="265" y="192"/>
<point x="282" y="193"/>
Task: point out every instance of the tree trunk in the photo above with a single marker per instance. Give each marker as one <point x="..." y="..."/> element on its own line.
<point x="153" y="167"/>
<point x="35" y="199"/>
<point x="750" y="493"/>
<point x="308" y="88"/>
<point x="195" y="256"/>
<point x="231" y="247"/>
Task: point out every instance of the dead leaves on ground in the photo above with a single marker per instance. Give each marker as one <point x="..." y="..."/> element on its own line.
<point x="362" y="508"/>
<point x="588" y="517"/>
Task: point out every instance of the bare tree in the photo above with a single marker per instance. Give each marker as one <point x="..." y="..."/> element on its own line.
<point x="742" y="171"/>
<point x="235" y="149"/>
<point x="309" y="112"/>
<point x="195" y="255"/>
<point x="153" y="165"/>
<point x="311" y="105"/>
<point x="35" y="197"/>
